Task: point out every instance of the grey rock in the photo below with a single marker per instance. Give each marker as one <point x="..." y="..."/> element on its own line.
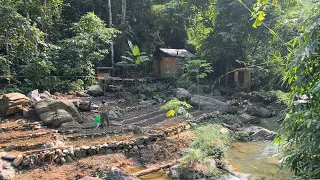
<point x="56" y="118"/>
<point x="28" y="112"/>
<point x="26" y="162"/>
<point x="80" y="152"/>
<point x="85" y="105"/>
<point x="56" y="112"/>
<point x="109" y="151"/>
<point x="246" y="118"/>
<point x="209" y="103"/>
<point x="258" y="111"/>
<point x="69" y="159"/>
<point x="8" y="157"/>
<point x="258" y="133"/>
<point x="183" y="94"/>
<point x="9" y="148"/>
<point x="92" y="151"/>
<point x="140" y="141"/>
<point x="95" y="90"/>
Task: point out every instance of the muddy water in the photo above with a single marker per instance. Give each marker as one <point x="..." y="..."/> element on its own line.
<point x="159" y="175"/>
<point x="259" y="159"/>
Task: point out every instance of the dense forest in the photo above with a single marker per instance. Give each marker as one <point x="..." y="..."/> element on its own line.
<point x="55" y="45"/>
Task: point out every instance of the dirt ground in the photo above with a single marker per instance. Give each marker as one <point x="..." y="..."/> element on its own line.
<point x="86" y="166"/>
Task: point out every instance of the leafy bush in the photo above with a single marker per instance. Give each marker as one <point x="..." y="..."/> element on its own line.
<point x="171" y="78"/>
<point x="143" y="89"/>
<point x="209" y="143"/>
<point x="176" y="107"/>
<point x="225" y="118"/>
<point x="78" y="85"/>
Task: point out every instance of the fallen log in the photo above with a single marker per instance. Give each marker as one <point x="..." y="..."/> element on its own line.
<point x="154" y="169"/>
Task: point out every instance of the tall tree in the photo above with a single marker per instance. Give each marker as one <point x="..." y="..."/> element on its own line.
<point x="123" y="27"/>
<point x="111" y="26"/>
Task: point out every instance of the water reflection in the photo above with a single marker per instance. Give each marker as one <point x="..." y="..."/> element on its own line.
<point x="257" y="158"/>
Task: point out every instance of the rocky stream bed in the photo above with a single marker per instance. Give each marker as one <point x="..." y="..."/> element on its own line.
<point x="140" y="136"/>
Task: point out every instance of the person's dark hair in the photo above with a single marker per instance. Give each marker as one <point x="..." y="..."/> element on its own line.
<point x="103" y="101"/>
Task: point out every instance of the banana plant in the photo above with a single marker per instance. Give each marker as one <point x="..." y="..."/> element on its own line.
<point x="135" y="57"/>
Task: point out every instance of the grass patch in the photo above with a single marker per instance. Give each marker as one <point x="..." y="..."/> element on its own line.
<point x="208" y="147"/>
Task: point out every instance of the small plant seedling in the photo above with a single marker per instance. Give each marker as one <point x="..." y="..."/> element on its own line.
<point x="176" y="107"/>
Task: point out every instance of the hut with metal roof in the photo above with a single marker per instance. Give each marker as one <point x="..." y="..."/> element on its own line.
<point x="169" y="60"/>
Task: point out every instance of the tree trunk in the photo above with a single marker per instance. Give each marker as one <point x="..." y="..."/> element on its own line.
<point x="111" y="26"/>
<point x="198" y="84"/>
<point x="123" y="28"/>
<point x="227" y="78"/>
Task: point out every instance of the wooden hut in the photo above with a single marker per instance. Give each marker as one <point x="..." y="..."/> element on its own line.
<point x="243" y="77"/>
<point x="169" y="60"/>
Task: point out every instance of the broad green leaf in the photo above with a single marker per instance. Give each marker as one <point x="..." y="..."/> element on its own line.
<point x="256" y="23"/>
<point x="261" y="15"/>
<point x="127" y="58"/>
<point x="136" y="50"/>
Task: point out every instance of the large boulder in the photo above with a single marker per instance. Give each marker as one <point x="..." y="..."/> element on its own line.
<point x="55" y="118"/>
<point x="257" y="133"/>
<point x="258" y="111"/>
<point x="95" y="90"/>
<point x="85" y="105"/>
<point x="182" y="94"/>
<point x="13" y="103"/>
<point x="209" y="103"/>
<point x="246" y="118"/>
<point x="56" y="112"/>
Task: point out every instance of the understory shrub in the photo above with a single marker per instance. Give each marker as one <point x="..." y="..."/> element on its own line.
<point x="143" y="89"/>
<point x="225" y="118"/>
<point x="209" y="144"/>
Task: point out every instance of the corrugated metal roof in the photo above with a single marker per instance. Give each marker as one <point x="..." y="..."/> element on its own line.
<point x="176" y="52"/>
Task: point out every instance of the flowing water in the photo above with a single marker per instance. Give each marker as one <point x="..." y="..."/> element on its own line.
<point x="158" y="175"/>
<point x="259" y="159"/>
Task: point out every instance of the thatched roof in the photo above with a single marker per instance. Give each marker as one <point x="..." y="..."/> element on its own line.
<point x="176" y="52"/>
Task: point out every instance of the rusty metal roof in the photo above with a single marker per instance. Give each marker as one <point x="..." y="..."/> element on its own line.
<point x="177" y="52"/>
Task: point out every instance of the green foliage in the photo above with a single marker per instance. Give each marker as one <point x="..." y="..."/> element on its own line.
<point x="208" y="144"/>
<point x="143" y="89"/>
<point x="135" y="56"/>
<point x="196" y="69"/>
<point x="225" y="118"/>
<point x="176" y="107"/>
<point x="299" y="133"/>
<point x="171" y="78"/>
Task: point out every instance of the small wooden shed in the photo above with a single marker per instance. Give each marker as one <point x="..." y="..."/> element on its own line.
<point x="243" y="77"/>
<point x="103" y="73"/>
<point x="169" y="60"/>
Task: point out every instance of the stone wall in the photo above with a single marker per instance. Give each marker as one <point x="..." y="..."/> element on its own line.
<point x="69" y="154"/>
